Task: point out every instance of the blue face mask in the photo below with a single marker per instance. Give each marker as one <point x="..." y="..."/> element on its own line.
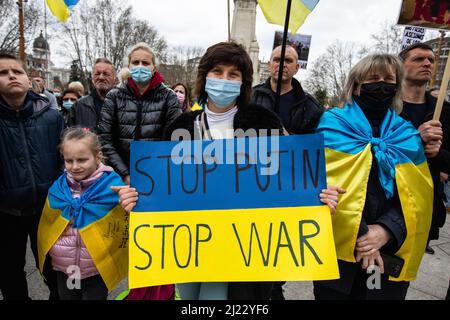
<point x="67" y="104"/>
<point x="141" y="74"/>
<point x="222" y="93"/>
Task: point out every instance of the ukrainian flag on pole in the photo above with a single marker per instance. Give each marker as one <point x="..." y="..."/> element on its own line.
<point x="61" y="8"/>
<point x="275" y="11"/>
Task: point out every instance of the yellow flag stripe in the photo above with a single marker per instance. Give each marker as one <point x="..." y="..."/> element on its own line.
<point x="231" y="245"/>
<point x="107" y="243"/>
<point x="416" y="202"/>
<point x="415" y="189"/>
<point x="51" y="226"/>
<point x="275" y="12"/>
<point x="59" y="9"/>
<point x="351" y="172"/>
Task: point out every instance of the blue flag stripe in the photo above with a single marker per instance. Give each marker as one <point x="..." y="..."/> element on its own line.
<point x="166" y="186"/>
<point x="310" y="4"/>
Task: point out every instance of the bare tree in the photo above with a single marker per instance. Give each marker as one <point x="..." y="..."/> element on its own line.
<point x="107" y="28"/>
<point x="180" y="66"/>
<point x="388" y="39"/>
<point x="330" y="70"/>
<point x="9" y="28"/>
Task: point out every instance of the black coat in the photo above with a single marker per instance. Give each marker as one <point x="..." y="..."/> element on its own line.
<point x="305" y="114"/>
<point x="248" y="117"/>
<point x="440" y="163"/>
<point x="29" y="156"/>
<point x="125" y="117"/>
<point x="86" y="112"/>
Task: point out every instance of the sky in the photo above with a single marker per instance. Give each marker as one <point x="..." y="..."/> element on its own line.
<point x="204" y="22"/>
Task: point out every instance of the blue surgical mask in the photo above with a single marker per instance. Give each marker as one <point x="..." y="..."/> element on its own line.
<point x="141" y="74"/>
<point x="57" y="94"/>
<point x="222" y="93"/>
<point x="67" y="104"/>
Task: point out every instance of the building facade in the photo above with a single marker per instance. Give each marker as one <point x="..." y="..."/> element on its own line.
<point x="443" y="57"/>
<point x="243" y="31"/>
<point x="39" y="63"/>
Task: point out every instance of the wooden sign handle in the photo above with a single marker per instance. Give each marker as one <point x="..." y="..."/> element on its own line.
<point x="442" y="91"/>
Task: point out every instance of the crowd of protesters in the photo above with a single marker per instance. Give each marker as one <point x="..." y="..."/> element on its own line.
<point x="67" y="141"/>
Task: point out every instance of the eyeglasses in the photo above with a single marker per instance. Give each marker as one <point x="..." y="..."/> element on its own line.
<point x="70" y="99"/>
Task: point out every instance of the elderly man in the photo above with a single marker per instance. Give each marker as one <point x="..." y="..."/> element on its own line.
<point x="29" y="163"/>
<point x="86" y="112"/>
<point x="298" y="110"/>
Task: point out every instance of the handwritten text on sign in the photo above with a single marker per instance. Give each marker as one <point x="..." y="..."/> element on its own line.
<point x="238" y="224"/>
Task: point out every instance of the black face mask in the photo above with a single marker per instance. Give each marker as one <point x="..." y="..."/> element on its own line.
<point x="377" y="95"/>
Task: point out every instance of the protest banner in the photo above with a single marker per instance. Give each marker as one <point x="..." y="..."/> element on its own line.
<point x="425" y="13"/>
<point x="230" y="210"/>
<point x="412" y="35"/>
<point x="300" y="42"/>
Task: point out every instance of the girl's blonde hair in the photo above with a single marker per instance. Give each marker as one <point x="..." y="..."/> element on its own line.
<point x="79" y="133"/>
<point x="382" y="63"/>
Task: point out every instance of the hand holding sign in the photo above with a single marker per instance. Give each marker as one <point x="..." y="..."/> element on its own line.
<point x="127" y="197"/>
<point x="330" y="196"/>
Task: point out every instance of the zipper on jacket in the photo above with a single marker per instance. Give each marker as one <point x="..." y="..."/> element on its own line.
<point x="27" y="156"/>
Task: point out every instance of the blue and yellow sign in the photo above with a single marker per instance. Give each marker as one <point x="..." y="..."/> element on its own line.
<point x="244" y="209"/>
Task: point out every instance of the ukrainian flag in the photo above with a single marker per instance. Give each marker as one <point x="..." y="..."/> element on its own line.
<point x="349" y="145"/>
<point x="275" y="12"/>
<point x="102" y="223"/>
<point x="61" y="8"/>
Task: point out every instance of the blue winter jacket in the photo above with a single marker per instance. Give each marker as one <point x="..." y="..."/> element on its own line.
<point x="29" y="156"/>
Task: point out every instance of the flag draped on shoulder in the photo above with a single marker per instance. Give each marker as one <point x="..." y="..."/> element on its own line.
<point x="275" y="12"/>
<point x="102" y="223"/>
<point x="61" y="8"/>
<point x="398" y="151"/>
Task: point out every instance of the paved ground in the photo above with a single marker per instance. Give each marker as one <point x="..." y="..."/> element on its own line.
<point x="431" y="283"/>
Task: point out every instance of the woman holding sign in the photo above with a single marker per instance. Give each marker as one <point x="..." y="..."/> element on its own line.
<point x="381" y="224"/>
<point x="223" y="87"/>
<point x="139" y="109"/>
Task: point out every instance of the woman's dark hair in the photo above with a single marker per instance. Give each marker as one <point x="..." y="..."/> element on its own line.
<point x="226" y="53"/>
<point x="187" y="98"/>
<point x="71" y="90"/>
<point x="66" y="91"/>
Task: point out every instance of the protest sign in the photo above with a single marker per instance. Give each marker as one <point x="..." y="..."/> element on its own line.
<point x="300" y="42"/>
<point x="412" y="35"/>
<point x="230" y="210"/>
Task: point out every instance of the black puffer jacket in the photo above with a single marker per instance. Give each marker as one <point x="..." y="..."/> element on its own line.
<point x="248" y="117"/>
<point x="126" y="117"/>
<point x="29" y="156"/>
<point x="305" y="114"/>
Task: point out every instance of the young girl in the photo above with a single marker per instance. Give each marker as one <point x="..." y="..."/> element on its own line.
<point x="82" y="228"/>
